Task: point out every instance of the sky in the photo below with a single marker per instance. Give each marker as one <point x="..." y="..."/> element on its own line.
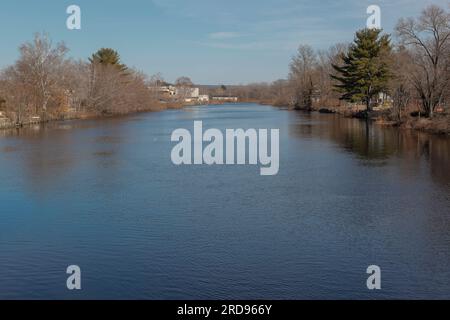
<point x="210" y="41"/>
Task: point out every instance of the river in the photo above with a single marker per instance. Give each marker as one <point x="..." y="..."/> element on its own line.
<point x="104" y="195"/>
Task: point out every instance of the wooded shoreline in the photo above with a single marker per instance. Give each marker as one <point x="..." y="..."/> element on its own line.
<point x="439" y="125"/>
<point x="399" y="80"/>
<point x="90" y="116"/>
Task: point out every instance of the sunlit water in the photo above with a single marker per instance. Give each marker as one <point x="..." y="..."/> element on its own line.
<point x="105" y="195"/>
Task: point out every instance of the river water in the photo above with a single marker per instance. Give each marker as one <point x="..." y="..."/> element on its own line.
<point x="104" y="195"/>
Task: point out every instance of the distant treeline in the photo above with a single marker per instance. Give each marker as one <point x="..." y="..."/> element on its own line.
<point x="43" y="85"/>
<point x="406" y="75"/>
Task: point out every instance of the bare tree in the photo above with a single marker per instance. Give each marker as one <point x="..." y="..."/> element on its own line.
<point x="184" y="87"/>
<point x="39" y="67"/>
<point x="18" y="101"/>
<point x="281" y="93"/>
<point x="400" y="87"/>
<point x="303" y="76"/>
<point x="104" y="88"/>
<point x="156" y="80"/>
<point x="428" y="40"/>
<point x="154" y="83"/>
<point x="74" y="78"/>
<point x="326" y="60"/>
<point x="184" y="82"/>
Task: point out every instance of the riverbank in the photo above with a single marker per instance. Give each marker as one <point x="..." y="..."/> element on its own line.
<point x="439" y="124"/>
<point x="6" y="123"/>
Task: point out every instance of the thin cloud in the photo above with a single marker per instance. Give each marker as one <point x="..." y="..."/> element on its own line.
<point x="224" y="35"/>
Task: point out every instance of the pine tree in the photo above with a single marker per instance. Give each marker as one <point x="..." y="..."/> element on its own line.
<point x="106" y="56"/>
<point x="365" y="69"/>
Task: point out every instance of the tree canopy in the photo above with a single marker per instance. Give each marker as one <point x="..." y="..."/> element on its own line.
<point x="107" y="56"/>
<point x="184" y="82"/>
<point x="365" y="69"/>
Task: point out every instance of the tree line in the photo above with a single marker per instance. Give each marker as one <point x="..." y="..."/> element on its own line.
<point x="408" y="70"/>
<point x="44" y="84"/>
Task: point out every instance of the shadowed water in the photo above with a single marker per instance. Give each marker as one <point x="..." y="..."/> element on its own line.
<point x="105" y="195"/>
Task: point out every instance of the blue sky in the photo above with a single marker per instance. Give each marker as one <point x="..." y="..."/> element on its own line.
<point x="211" y="41"/>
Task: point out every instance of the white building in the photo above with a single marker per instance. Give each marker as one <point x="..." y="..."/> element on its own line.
<point x="203" y="98"/>
<point x="187" y="92"/>
<point x="169" y="91"/>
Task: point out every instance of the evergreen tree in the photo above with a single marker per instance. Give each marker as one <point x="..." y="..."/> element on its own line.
<point x="106" y="56"/>
<point x="365" y="69"/>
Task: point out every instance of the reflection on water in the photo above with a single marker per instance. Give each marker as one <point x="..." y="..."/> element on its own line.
<point x="105" y="195"/>
<point x="8" y="149"/>
<point x="108" y="139"/>
<point x="374" y="145"/>
<point x="46" y="152"/>
<point x="104" y="153"/>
